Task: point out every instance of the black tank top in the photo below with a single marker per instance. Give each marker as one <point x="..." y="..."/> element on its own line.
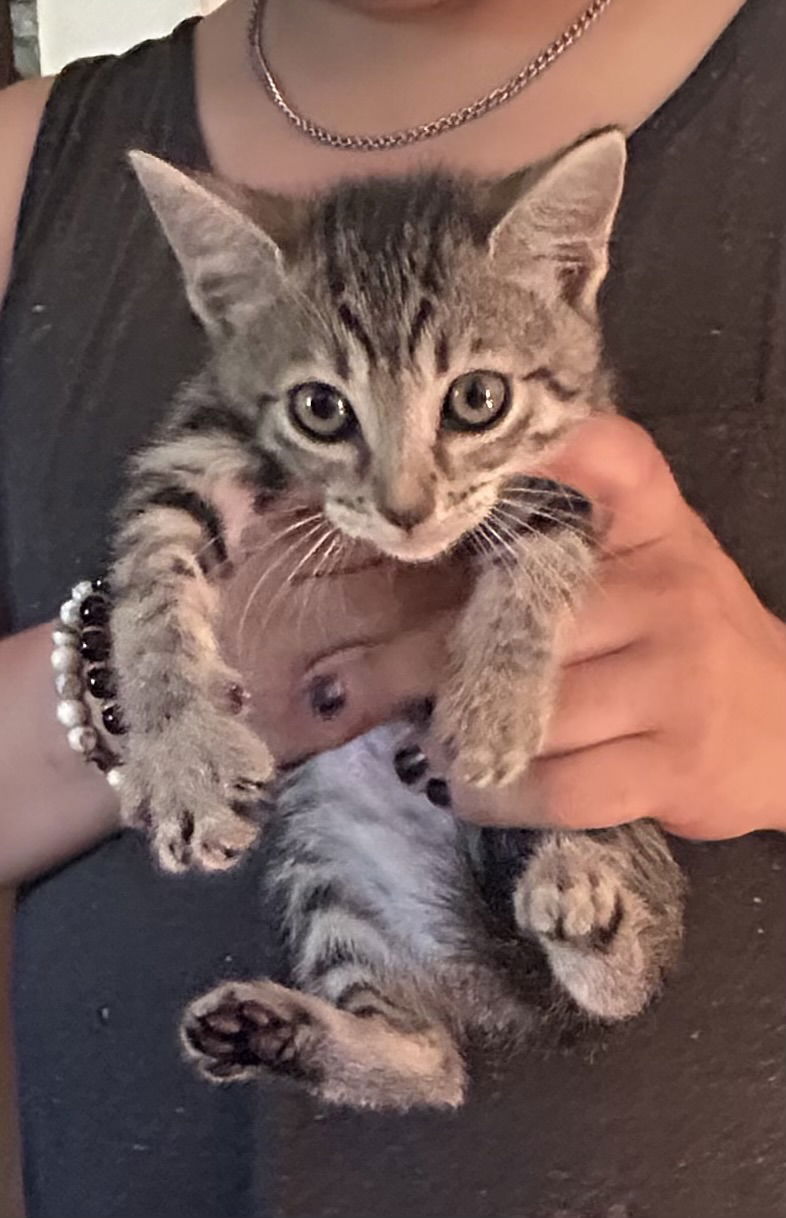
<point x="681" y="1115"/>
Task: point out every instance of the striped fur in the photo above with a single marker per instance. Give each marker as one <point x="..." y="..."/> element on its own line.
<point x="399" y="963"/>
<point x="391" y="293"/>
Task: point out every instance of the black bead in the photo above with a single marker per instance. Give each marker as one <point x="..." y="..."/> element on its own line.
<point x="328" y="696"/>
<point x="95" y="611"/>
<point x="438" y="792"/>
<point x="102" y="586"/>
<point x="101" y="682"/>
<point x="113" y="719"/>
<point x="410" y="764"/>
<point x="95" y="645"/>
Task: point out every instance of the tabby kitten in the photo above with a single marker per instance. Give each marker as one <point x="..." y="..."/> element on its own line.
<point x="399" y="351"/>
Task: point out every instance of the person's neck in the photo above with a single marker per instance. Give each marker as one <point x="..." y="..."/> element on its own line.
<point x="409" y="64"/>
<point x="358" y="72"/>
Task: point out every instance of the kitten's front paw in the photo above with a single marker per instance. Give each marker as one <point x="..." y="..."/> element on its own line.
<point x="198" y="791"/>
<point x="486" y="732"/>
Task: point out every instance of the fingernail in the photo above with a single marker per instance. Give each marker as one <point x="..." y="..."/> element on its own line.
<point x="410" y="763"/>
<point x="418" y="711"/>
<point x="237" y="698"/>
<point x="328" y="696"/>
<point x="438" y="792"/>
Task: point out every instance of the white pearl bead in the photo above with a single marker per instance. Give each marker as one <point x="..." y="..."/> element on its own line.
<point x="65" y="659"/>
<point x="63" y="638"/>
<point x="82" y="739"/>
<point x="81" y="590"/>
<point x="72" y="713"/>
<point x="115" y="778"/>
<point x="69" y="613"/>
<point x="68" y="685"/>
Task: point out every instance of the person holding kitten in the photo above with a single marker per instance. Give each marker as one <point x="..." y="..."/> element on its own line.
<point x="671" y="702"/>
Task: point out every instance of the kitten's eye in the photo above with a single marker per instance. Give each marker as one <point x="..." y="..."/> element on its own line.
<point x="321" y="411"/>
<point x="475" y="401"/>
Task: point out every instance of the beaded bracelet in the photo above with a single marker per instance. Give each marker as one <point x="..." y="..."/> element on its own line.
<point x="84" y="679"/>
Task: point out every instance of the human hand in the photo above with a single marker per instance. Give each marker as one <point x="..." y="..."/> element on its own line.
<point x="329" y="650"/>
<point x="672" y="697"/>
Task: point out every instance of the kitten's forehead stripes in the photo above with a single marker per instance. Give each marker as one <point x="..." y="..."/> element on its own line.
<point x="442" y="354"/>
<point x="340" y="360"/>
<point x="423" y="315"/>
<point x="352" y="323"/>
<point x="384" y="258"/>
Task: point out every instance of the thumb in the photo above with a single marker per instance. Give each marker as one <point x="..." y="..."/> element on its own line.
<point x="616" y="465"/>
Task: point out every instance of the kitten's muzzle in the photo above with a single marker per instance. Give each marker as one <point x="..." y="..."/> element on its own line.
<point x="405" y="519"/>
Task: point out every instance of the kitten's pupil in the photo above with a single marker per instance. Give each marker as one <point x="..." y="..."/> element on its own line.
<point x="324" y="406"/>
<point x="321" y="411"/>
<point x="475" y="401"/>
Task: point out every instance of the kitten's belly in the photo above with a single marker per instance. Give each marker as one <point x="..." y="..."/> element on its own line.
<point x="391" y="847"/>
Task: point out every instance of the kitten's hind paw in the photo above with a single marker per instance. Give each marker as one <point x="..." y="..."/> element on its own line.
<point x="242" y="1028"/>
<point x="573" y="897"/>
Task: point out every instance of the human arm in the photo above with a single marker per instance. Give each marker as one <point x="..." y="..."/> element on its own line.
<point x="20" y="112"/>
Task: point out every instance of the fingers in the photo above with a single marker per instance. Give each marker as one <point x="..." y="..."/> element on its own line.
<point x="613" y="613"/>
<point x="613" y="783"/>
<point x="353" y="690"/>
<point x="633" y="595"/>
<point x="606" y="698"/>
<point x="616" y="465"/>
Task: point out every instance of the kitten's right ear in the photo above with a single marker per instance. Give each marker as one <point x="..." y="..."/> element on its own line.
<point x="563" y="216"/>
<point x="229" y="264"/>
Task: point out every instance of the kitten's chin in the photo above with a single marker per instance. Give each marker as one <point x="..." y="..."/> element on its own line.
<point x="418" y="550"/>
<point x="426" y="543"/>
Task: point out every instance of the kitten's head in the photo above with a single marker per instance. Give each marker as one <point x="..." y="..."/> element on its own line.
<point x="407" y="344"/>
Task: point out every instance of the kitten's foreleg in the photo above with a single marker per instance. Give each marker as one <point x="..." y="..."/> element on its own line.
<point x="499" y="695"/>
<point x="193" y="770"/>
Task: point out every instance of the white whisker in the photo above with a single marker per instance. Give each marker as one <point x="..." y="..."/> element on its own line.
<point x="310" y="586"/>
<point x="268" y="572"/>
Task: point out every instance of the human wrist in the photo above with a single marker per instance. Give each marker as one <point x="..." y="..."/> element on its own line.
<point x="53" y="806"/>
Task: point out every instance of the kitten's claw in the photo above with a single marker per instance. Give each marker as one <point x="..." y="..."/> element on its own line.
<point x="489" y="744"/>
<point x="215" y="844"/>
<point x="199" y="792"/>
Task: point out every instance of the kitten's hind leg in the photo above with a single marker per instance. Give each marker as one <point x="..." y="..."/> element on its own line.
<point x="364" y="1053"/>
<point x="606" y="908"/>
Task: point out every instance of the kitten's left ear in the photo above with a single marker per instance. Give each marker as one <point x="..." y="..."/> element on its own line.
<point x="229" y="264"/>
<point x="564" y="216"/>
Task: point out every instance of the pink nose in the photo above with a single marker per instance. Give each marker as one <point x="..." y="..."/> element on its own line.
<point x="405" y="518"/>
